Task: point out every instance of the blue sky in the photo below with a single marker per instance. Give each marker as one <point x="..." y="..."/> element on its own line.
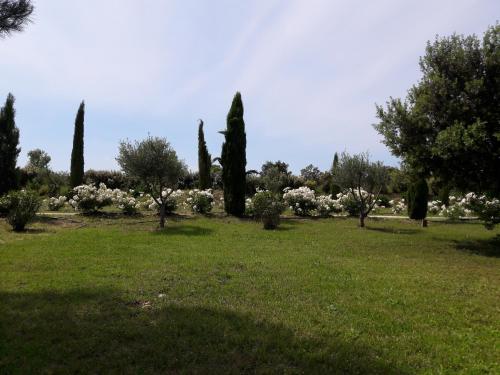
<point x="310" y="72"/>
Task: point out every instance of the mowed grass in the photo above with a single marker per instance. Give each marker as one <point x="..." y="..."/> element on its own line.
<point x="224" y="296"/>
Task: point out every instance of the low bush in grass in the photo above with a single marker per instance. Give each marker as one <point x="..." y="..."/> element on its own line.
<point x="55" y="204"/>
<point x="171" y="201"/>
<point x="301" y="201"/>
<point x="267" y="208"/>
<point x="22" y="208"/>
<point x="89" y="198"/>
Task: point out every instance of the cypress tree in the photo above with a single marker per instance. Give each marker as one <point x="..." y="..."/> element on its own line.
<point x="204" y="160"/>
<point x="418" y="195"/>
<point x="77" y="163"/>
<point x="233" y="159"/>
<point x="9" y="150"/>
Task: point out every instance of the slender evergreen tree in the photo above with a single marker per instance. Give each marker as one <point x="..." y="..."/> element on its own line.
<point x="204" y="160"/>
<point x="9" y="150"/>
<point x="418" y="195"/>
<point x="233" y="159"/>
<point x="77" y="162"/>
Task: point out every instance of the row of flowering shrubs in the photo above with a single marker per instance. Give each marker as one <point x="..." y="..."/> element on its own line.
<point x="91" y="198"/>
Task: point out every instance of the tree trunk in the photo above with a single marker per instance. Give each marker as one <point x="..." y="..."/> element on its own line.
<point x="424" y="223"/>
<point x="361" y="220"/>
<point x="162" y="216"/>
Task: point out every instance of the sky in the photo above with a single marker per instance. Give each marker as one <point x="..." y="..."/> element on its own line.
<point x="310" y="72"/>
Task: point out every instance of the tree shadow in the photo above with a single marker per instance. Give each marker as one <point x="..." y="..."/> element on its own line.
<point x="183" y="229"/>
<point x="100" y="332"/>
<point x="393" y="230"/>
<point x="489" y="247"/>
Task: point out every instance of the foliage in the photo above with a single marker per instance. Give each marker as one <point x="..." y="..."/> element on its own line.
<point x="171" y="201"/>
<point x="301" y="200"/>
<point x="398" y="206"/>
<point x="4" y="205"/>
<point x="267" y="207"/>
<point x="363" y="179"/>
<point x="275" y="176"/>
<point x="23" y="206"/>
<point x="155" y="163"/>
<point x="200" y="201"/>
<point x="77" y="161"/>
<point x="204" y="160"/>
<point x="38" y="160"/>
<point x="55" y="204"/>
<point x="89" y="198"/>
<point x="126" y="201"/>
<point x="447" y="126"/>
<point x="233" y="159"/>
<point x="325" y="205"/>
<point x="14" y="15"/>
<point x="488" y="210"/>
<point x="418" y="196"/>
<point x="311" y="173"/>
<point x="112" y="179"/>
<point x="9" y="142"/>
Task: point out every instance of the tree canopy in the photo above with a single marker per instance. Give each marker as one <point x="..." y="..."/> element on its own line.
<point x="449" y="124"/>
<point x="9" y="146"/>
<point x="14" y="15"/>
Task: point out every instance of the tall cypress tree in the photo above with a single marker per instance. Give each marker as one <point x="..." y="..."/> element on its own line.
<point x="9" y="142"/>
<point x="204" y="160"/>
<point x="233" y="159"/>
<point x="77" y="163"/>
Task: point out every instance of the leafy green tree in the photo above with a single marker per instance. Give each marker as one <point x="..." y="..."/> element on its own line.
<point x="275" y="176"/>
<point x="448" y="126"/>
<point x="362" y="180"/>
<point x="204" y="160"/>
<point x="77" y="161"/>
<point x="155" y="163"/>
<point x="233" y="159"/>
<point x="418" y="196"/>
<point x="14" y="15"/>
<point x="38" y="160"/>
<point x="9" y="150"/>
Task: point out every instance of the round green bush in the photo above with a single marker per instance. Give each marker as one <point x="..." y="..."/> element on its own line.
<point x="267" y="208"/>
<point x="23" y="206"/>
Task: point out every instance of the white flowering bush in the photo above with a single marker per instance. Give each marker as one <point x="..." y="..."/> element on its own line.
<point x="325" y="205"/>
<point x="89" y="198"/>
<point x="488" y="210"/>
<point x="434" y="207"/>
<point x="267" y="207"/>
<point x="200" y="201"/>
<point x="350" y="201"/>
<point x="398" y="206"/>
<point x="55" y="204"/>
<point x="249" y="207"/>
<point x="126" y="202"/>
<point x="172" y="198"/>
<point x="301" y="200"/>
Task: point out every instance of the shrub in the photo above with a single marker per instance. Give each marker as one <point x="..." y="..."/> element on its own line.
<point x="398" y="206"/>
<point x="4" y="206"/>
<point x="302" y="200"/>
<point x="88" y="198"/>
<point x="325" y="205"/>
<point x="200" y="201"/>
<point x="126" y="202"/>
<point x="418" y="195"/>
<point x="171" y="201"/>
<point x="267" y="207"/>
<point x="488" y="210"/>
<point x="23" y="206"/>
<point x="55" y="204"/>
<point x="383" y="201"/>
<point x="112" y="179"/>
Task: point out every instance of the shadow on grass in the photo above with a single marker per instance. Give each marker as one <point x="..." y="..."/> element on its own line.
<point x="183" y="229"/>
<point x="392" y="230"/>
<point x="100" y="332"/>
<point x="489" y="247"/>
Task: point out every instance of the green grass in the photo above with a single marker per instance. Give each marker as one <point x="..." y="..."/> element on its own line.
<point x="224" y="296"/>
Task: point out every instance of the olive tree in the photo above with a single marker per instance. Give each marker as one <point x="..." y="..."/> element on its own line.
<point x="155" y="163"/>
<point x="362" y="180"/>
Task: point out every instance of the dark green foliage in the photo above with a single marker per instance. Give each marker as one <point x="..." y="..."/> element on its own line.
<point x="204" y="160"/>
<point x="112" y="179"/>
<point x="418" y="196"/>
<point x="9" y="150"/>
<point x="275" y="176"/>
<point x="22" y="208"/>
<point x="448" y="126"/>
<point x="267" y="207"/>
<point x="233" y="159"/>
<point x="383" y="201"/>
<point x="14" y="15"/>
<point x="77" y="162"/>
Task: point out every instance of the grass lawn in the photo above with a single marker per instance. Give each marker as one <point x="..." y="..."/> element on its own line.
<point x="110" y="295"/>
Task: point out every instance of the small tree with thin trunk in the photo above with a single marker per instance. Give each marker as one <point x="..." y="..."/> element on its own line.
<point x="155" y="163"/>
<point x="418" y="196"/>
<point x="362" y="180"/>
<point x="77" y="161"/>
<point x="204" y="160"/>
